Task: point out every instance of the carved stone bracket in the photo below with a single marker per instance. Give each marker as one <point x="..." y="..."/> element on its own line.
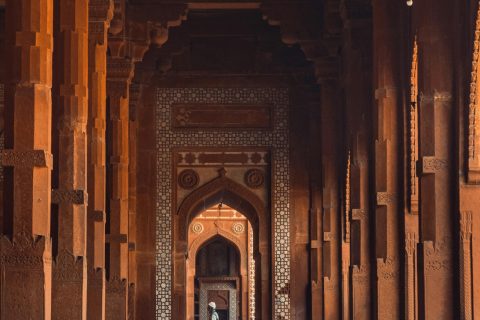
<point x="27" y="159"/>
<point x="69" y="196"/>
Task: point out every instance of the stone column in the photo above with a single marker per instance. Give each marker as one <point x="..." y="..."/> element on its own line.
<point x="346" y="283"/>
<point x="25" y="259"/>
<point x="119" y="75"/>
<point x="411" y="220"/>
<point x="435" y="42"/>
<point x="388" y="118"/>
<point x="469" y="180"/>
<point x="71" y="103"/>
<point x="315" y="205"/>
<point x="357" y="80"/>
<point x="100" y="15"/>
<point x="135" y="94"/>
<point x="330" y="159"/>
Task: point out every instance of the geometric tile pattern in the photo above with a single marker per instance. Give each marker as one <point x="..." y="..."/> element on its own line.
<point x="276" y="139"/>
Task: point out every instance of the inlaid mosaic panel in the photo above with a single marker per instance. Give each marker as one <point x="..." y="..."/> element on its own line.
<point x="276" y="139"/>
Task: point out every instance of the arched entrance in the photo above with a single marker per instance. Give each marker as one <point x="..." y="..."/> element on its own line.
<point x="222" y="190"/>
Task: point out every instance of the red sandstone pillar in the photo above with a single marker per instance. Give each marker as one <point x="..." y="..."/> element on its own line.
<point x="26" y="261"/>
<point x="135" y="93"/>
<point x="100" y="14"/>
<point x="469" y="180"/>
<point x="119" y="75"/>
<point x="315" y="206"/>
<point x="71" y="103"/>
<point x="357" y="81"/>
<point x="331" y="233"/>
<point x="435" y="42"/>
<point x="387" y="83"/>
<point x="411" y="219"/>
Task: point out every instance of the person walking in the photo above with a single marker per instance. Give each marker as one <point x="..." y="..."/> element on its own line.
<point x="211" y="311"/>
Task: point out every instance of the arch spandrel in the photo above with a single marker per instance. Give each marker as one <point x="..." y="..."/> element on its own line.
<point x="222" y="190"/>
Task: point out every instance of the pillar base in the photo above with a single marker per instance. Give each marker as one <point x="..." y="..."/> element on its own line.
<point x="96" y="294"/>
<point x="67" y="287"/>
<point x="26" y="270"/>
<point x="116" y="299"/>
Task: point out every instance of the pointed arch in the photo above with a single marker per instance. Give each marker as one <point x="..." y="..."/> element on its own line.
<point x="227" y="191"/>
<point x="222" y="190"/>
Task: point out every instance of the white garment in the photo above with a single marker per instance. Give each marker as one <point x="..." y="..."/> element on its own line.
<point x="215" y="315"/>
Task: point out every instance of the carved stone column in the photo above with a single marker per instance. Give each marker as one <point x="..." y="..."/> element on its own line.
<point x="25" y="259"/>
<point x="411" y="219"/>
<point x="100" y="14"/>
<point x="469" y="180"/>
<point x="358" y="114"/>
<point x="71" y="104"/>
<point x="315" y="206"/>
<point x="346" y="283"/>
<point x="135" y="93"/>
<point x="119" y="75"/>
<point x="331" y="233"/>
<point x="436" y="163"/>
<point x="387" y="69"/>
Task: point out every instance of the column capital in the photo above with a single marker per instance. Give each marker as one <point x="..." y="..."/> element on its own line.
<point x="100" y="14"/>
<point x="119" y="75"/>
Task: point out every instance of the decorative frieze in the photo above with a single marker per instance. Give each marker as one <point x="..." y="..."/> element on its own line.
<point x="27" y="159"/>
<point x="222" y="158"/>
<point x="77" y="197"/>
<point x="228" y="116"/>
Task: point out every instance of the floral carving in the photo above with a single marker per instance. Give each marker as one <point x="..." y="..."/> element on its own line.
<point x="254" y="178"/>
<point x="197" y="228"/>
<point x="188" y="179"/>
<point x="238" y="228"/>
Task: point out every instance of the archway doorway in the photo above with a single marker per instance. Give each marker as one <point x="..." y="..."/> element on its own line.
<point x="220" y="264"/>
<point x="244" y="224"/>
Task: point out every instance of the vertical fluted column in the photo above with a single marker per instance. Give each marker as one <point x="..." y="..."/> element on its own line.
<point x="26" y="261"/>
<point x="100" y="14"/>
<point x="71" y="104"/>
<point x="119" y="75"/>
<point x="387" y="82"/>
<point x="435" y="42"/>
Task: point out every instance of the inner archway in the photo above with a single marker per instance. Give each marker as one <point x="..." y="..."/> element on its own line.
<point x="220" y="264"/>
<point x="223" y="209"/>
